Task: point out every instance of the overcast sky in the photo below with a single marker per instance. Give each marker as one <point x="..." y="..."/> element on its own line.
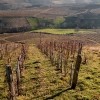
<point x="64" y="1"/>
<point x="70" y="1"/>
<point x="26" y="3"/>
<point x="49" y="1"/>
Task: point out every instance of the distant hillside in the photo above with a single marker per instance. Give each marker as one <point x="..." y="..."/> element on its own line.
<point x="85" y="21"/>
<point x="4" y="6"/>
<point x="14" y="25"/>
<point x="19" y="10"/>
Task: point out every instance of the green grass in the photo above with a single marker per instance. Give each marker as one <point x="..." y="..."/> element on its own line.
<point x="57" y="31"/>
<point x="44" y="82"/>
<point x="3" y="85"/>
<point x="63" y="31"/>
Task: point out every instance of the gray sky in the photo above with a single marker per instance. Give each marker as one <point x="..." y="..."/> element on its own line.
<point x="49" y="1"/>
<point x="26" y="3"/>
<point x="74" y="1"/>
<point x="70" y="1"/>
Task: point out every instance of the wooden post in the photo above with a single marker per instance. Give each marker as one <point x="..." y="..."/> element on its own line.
<point x="71" y="73"/>
<point x="66" y="56"/>
<point x="40" y="41"/>
<point x="52" y="53"/>
<point x="50" y="50"/>
<point x="1" y="55"/>
<point x="58" y="59"/>
<point x="84" y="60"/>
<point x="20" y="64"/>
<point x="6" y="50"/>
<point x="61" y="57"/>
<point x="9" y="78"/>
<point x="18" y="75"/>
<point x="77" y="67"/>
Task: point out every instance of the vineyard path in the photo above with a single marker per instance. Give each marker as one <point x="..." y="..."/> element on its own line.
<point x="40" y="77"/>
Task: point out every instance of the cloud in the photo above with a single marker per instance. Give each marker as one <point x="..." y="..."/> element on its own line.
<point x="63" y="1"/>
<point x="83" y="1"/>
<point x="47" y="2"/>
<point x="71" y="1"/>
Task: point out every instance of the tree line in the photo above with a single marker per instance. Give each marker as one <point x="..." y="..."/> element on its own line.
<point x="83" y="21"/>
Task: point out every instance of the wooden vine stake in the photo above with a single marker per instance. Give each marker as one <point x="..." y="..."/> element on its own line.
<point x="18" y="75"/>
<point x="10" y="81"/>
<point x="77" y="67"/>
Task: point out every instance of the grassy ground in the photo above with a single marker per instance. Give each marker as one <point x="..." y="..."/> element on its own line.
<point x="3" y="88"/>
<point x="40" y="80"/>
<point x="63" y="31"/>
<point x="88" y="87"/>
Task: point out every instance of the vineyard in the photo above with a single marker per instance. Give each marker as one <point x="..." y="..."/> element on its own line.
<point x="49" y="50"/>
<point x="46" y="66"/>
<point x="11" y="54"/>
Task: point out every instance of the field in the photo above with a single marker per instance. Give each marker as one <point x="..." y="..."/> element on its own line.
<point x="40" y="80"/>
<point x="47" y="12"/>
<point x="15" y="20"/>
<point x="64" y="31"/>
<point x="57" y="31"/>
<point x="50" y="12"/>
